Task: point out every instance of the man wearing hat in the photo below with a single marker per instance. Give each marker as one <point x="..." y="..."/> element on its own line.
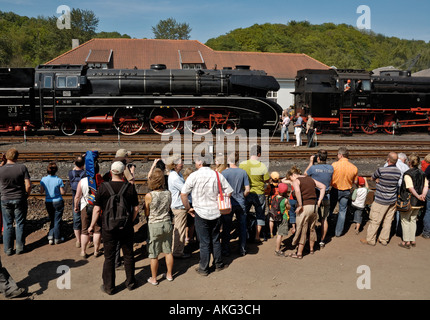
<point x="123" y="237"/>
<point x="347" y="86"/>
<point x="123" y="156"/>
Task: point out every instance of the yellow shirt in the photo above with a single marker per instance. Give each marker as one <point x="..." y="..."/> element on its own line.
<point x="257" y="174"/>
<point x="344" y="174"/>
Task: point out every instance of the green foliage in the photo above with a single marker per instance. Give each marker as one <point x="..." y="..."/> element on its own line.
<point x="28" y="42"/>
<point x="170" y="29"/>
<point x="341" y="45"/>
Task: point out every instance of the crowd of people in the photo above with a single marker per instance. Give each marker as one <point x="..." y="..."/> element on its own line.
<point x="183" y="202"/>
<point x="300" y="127"/>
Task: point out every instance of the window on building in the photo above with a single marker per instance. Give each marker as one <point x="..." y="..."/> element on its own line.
<point x="191" y="66"/>
<point x="272" y="95"/>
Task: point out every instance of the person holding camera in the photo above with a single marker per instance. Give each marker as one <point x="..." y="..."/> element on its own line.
<point x="319" y="170"/>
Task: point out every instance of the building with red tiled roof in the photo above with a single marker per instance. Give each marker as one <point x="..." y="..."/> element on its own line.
<point x="188" y="54"/>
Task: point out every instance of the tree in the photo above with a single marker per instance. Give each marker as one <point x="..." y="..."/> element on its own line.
<point x="170" y="29"/>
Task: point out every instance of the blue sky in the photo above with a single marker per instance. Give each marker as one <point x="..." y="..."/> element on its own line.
<point x="404" y="19"/>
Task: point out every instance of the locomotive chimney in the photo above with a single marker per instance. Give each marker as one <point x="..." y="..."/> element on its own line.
<point x="75" y="43"/>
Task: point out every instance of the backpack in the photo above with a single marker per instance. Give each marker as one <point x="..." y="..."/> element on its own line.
<point x="75" y="179"/>
<point x="275" y="208"/>
<point x="116" y="213"/>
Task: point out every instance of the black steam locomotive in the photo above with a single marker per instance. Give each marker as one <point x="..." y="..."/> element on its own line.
<point x="73" y="97"/>
<point x="356" y="100"/>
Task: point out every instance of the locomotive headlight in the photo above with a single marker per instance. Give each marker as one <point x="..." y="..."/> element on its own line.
<point x="334" y="112"/>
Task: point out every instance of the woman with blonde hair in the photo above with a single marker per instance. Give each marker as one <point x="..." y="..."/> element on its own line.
<point x="415" y="186"/>
<point x="160" y="228"/>
<point x="306" y="209"/>
<point x="220" y="163"/>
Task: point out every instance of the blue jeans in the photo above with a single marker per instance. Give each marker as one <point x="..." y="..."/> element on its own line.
<point x="259" y="203"/>
<point x="292" y="211"/>
<point x="341" y="196"/>
<point x="358" y="214"/>
<point x="14" y="210"/>
<point x="426" y="219"/>
<point x="284" y="132"/>
<point x="77" y="223"/>
<point x="208" y="232"/>
<point x="226" y="220"/>
<point x="55" y="213"/>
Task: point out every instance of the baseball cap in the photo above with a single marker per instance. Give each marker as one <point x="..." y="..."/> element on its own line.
<point x="274" y="175"/>
<point x="121" y="153"/>
<point x="282" y="188"/>
<point x="117" y="167"/>
<point x="361" y="181"/>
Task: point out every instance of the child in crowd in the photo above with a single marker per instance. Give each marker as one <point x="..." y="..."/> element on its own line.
<point x="279" y="213"/>
<point x="292" y="201"/>
<point x="272" y="191"/>
<point x="359" y="201"/>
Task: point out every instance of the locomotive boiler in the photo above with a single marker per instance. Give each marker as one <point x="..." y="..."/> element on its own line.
<point x="73" y="97"/>
<point x="356" y="100"/>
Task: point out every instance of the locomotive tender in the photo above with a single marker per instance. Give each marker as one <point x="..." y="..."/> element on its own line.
<point x="73" y="97"/>
<point x="388" y="102"/>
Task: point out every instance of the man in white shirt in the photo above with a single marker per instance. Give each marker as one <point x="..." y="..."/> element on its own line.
<point x="284" y="130"/>
<point x="298" y="130"/>
<point x="175" y="183"/>
<point x="203" y="185"/>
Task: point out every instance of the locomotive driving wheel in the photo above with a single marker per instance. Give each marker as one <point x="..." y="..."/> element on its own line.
<point x="369" y="126"/>
<point x="164" y="121"/>
<point x="390" y="125"/>
<point x="200" y="123"/>
<point x="69" y="128"/>
<point x="126" y="121"/>
<point x="230" y="126"/>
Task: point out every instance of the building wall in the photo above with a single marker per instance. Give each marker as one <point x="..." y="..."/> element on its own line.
<point x="285" y="96"/>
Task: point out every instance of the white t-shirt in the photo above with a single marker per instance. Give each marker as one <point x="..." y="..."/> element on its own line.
<point x="203" y="185"/>
<point x="360" y="199"/>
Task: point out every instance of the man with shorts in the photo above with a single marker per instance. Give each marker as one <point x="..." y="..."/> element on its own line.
<point x="322" y="172"/>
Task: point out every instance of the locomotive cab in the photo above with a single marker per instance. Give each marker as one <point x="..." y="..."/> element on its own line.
<point x="55" y="87"/>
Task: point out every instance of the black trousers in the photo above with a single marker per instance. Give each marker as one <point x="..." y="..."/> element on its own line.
<point x="123" y="238"/>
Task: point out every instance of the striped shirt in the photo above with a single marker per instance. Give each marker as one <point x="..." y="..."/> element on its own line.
<point x="203" y="186"/>
<point x="344" y="174"/>
<point x="386" y="187"/>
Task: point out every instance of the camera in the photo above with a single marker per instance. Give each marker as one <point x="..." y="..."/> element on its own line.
<point x="315" y="159"/>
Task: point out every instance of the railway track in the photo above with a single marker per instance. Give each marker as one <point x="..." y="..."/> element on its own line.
<point x="302" y="153"/>
<point x="155" y="138"/>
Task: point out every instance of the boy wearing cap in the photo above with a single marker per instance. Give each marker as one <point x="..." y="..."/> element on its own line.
<point x="359" y="201"/>
<point x="282" y="226"/>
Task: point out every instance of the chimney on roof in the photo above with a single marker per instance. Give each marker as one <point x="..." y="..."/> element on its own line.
<point x="75" y="43"/>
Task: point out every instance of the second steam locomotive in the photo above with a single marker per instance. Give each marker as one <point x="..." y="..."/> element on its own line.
<point x="356" y="100"/>
<point x="73" y="97"/>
